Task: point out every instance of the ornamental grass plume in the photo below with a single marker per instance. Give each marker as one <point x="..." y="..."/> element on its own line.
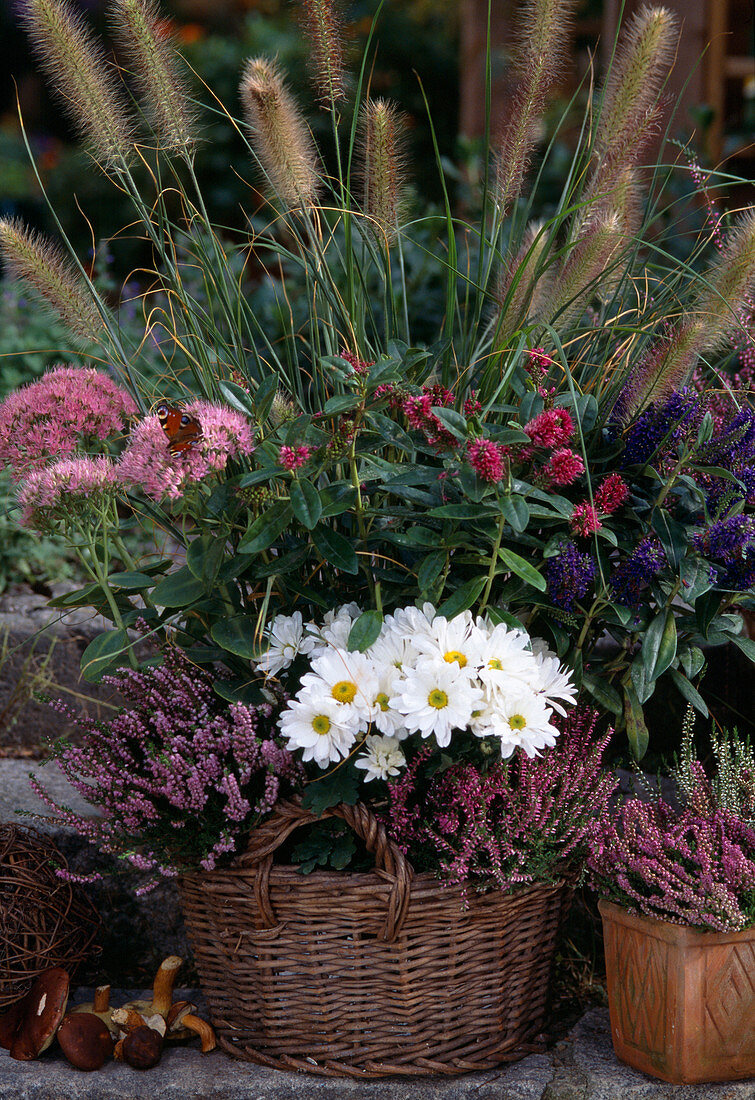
<point x="543" y="38"/>
<point x="323" y="28"/>
<point x="38" y="262"/>
<point x="67" y="410"/>
<point x="524" y="283"/>
<point x="280" y="135"/>
<point x="147" y="465"/>
<point x="529" y="820"/>
<point x="585" y="270"/>
<point x="163" y="91"/>
<point x="84" y="81"/>
<point x="179" y="777"/>
<point x="382" y="133"/>
<point x="706" y="326"/>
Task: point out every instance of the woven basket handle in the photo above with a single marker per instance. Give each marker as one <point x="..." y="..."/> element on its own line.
<point x="289" y="815"/>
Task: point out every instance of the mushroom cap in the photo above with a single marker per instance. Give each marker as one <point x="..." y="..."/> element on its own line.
<point x="174" y="1020"/>
<point x="85" y="1040"/>
<point x="142" y="1047"/>
<point x="106" y="1016"/>
<point x="9" y="1022"/>
<point x="43" y="1008"/>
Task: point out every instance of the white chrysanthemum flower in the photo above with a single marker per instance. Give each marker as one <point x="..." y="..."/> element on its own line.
<point x="350" y="679"/>
<point x="287" y="639"/>
<point x="318" y="725"/>
<point x="437" y="698"/>
<point x="455" y="641"/>
<point x="392" y="649"/>
<point x="410" y="622"/>
<point x="553" y="682"/>
<point x="383" y="759"/>
<point x="335" y="629"/>
<point x="384" y="717"/>
<point x="520" y="722"/>
<point x="504" y="661"/>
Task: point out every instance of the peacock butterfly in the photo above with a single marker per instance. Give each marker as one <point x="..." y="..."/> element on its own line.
<point x="182" y="430"/>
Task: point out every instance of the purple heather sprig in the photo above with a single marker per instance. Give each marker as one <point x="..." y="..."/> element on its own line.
<point x="178" y="776"/>
<point x="67" y="410"/>
<point x="148" y="465"/>
<point x="532" y="819"/>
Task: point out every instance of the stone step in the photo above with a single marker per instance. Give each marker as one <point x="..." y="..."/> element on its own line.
<point x="581" y="1067"/>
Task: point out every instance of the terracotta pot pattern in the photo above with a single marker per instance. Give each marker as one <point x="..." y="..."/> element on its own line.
<point x="682" y="1001"/>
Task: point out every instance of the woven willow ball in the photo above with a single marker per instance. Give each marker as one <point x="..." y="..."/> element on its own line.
<point x="44" y="921"/>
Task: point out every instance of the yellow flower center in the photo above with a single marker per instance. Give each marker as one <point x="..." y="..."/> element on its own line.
<point x="437" y="699"/>
<point x="496" y="663"/>
<point x="321" y="724"/>
<point x="454" y="655"/>
<point x="382" y="701"/>
<point x="344" y="691"/>
<point x="517" y="721"/>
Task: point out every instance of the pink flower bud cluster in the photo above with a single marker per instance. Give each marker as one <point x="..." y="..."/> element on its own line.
<point x="524" y="820"/>
<point x="694" y="865"/>
<point x="147" y="465"/>
<point x="178" y="776"/>
<point x="291" y="458"/>
<point x="68" y="410"/>
<point x="359" y="366"/>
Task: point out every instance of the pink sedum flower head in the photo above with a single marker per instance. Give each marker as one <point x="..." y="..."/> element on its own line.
<point x="148" y="465"/>
<point x="55" y="495"/>
<point x="68" y="410"/>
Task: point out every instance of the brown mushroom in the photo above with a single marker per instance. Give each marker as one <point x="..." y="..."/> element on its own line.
<point x="162" y="990"/>
<point x="100" y="1006"/>
<point x="85" y="1040"/>
<point x="9" y="1022"/>
<point x="43" y="1008"/>
<point x="183" y="1024"/>
<point x="142" y="1048"/>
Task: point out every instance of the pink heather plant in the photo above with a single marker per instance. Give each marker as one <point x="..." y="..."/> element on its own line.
<point x="147" y="464"/>
<point x="526" y="820"/>
<point x="179" y="777"/>
<point x="69" y="409"/>
<point x="56" y="495"/>
<point x="694" y="865"/>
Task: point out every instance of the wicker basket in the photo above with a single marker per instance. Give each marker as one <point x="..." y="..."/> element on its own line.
<point x="367" y="975"/>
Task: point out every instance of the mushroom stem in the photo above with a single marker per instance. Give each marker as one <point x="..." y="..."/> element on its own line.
<point x="202" y="1029"/>
<point x="165" y="979"/>
<point x="127" y="1019"/>
<point x="101" y="1001"/>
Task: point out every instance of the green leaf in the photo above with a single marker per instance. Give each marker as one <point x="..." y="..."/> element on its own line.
<point x="673" y="535"/>
<point x="266" y="528"/>
<point x="523" y="569"/>
<point x="340" y="785"/>
<point x="497" y="616"/>
<point x="129" y="580"/>
<point x="239" y="691"/>
<point x="692" y="660"/>
<point x="204" y="557"/>
<point x="453" y="421"/>
<point x="337" y="498"/>
<point x="103" y="653"/>
<point x="462" y="511"/>
<point x="430" y="569"/>
<point x="341" y="403"/>
<point x="179" y="589"/>
<point x="305" y="501"/>
<point x="238" y="635"/>
<point x="605" y="693"/>
<point x="463" y="598"/>
<point x="642" y="684"/>
<point x="637" y="731"/>
<point x="265" y="394"/>
<point x="334" y="548"/>
<point x="237" y="398"/>
<point x="745" y="644"/>
<point x="82" y="597"/>
<point x="690" y="693"/>
<point x="256" y="477"/>
<point x="516" y="511"/>
<point x="365" y="631"/>
<point x="659" y="644"/>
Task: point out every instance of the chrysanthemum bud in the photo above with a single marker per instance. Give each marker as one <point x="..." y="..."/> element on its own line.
<point x="80" y="74"/>
<point x="149" y="46"/>
<point x="41" y="265"/>
<point x="322" y="24"/>
<point x="281" y="137"/>
<point x="382" y="139"/>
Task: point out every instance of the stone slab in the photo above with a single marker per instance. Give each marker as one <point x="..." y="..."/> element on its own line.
<point x="582" y="1067"/>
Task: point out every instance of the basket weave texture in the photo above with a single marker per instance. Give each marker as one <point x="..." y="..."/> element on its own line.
<point x="367" y="975"/>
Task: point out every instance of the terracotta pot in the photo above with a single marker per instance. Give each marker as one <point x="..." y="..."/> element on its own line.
<point x="682" y="1001"/>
